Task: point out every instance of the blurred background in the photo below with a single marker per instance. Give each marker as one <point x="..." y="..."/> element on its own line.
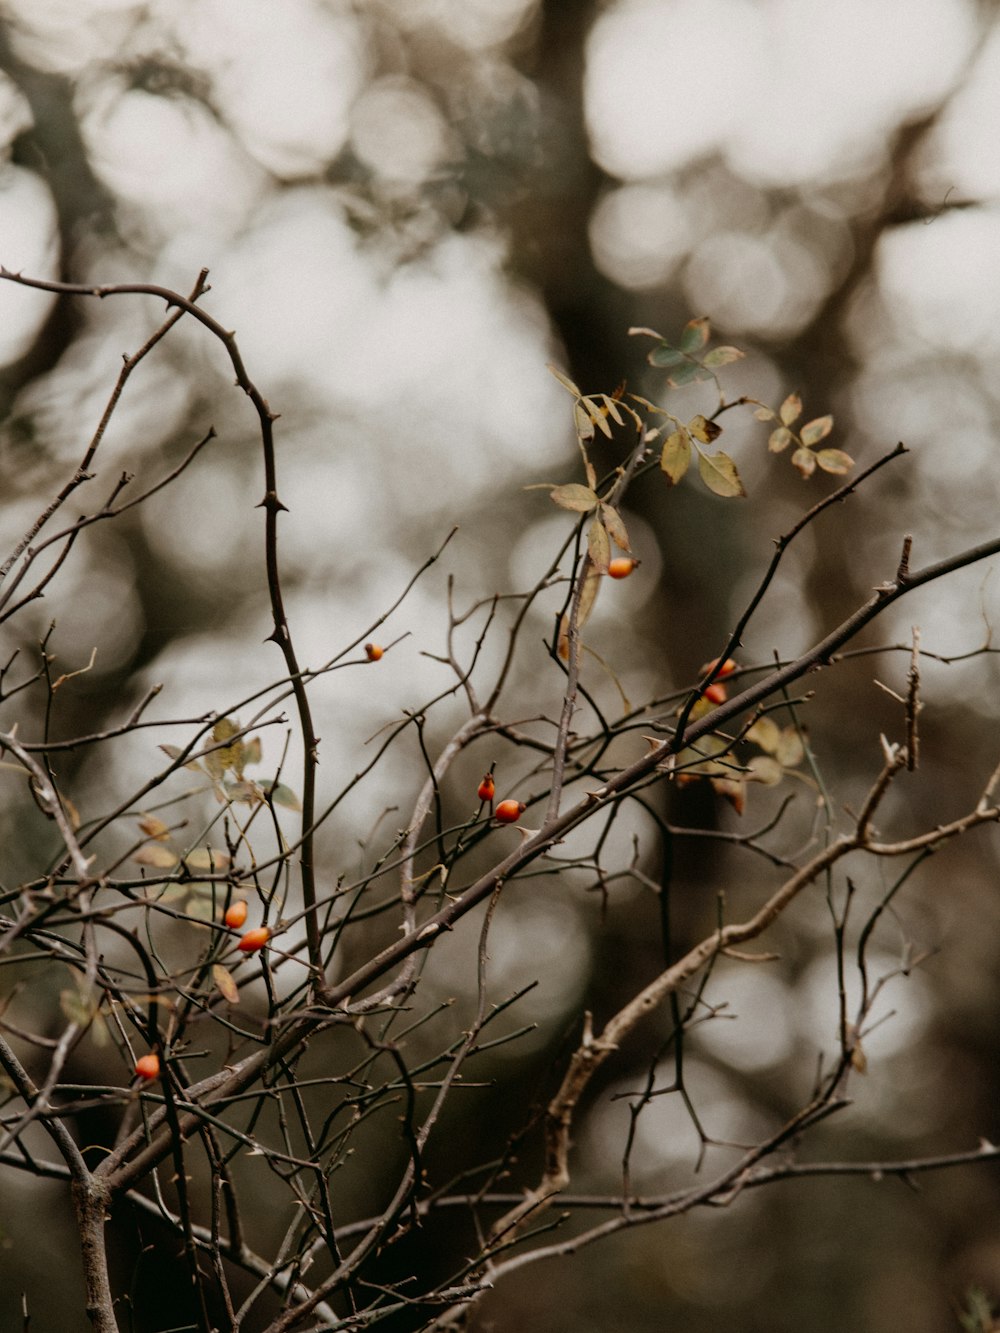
<point x="407" y="208"/>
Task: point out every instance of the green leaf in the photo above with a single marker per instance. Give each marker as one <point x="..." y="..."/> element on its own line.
<point x="835" y="461"/>
<point x="703" y="429"/>
<point x="599" y="545"/>
<point x="615" y="527"/>
<point x="676" y="456"/>
<point x="814" y="431"/>
<point x="804" y="461"/>
<point x="695" y="335"/>
<point x="722" y="356"/>
<point x="791" y="409"/>
<point x="564" y="380"/>
<point x="779" y="439"/>
<point x="718" y="472"/>
<point x="689" y="373"/>
<point x="665" y="355"/>
<point x="573" y="496"/>
<point x="282" y="795"/>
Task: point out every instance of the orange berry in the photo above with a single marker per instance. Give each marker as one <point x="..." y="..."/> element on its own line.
<point x="716" y="693"/>
<point x="509" y="812"/>
<point x="236" y="914"/>
<point x="487" y="788"/>
<point x="622" y="566"/>
<point x="374" y="651"/>
<point x="726" y="669"/>
<point x="254" y="940"/>
<point x="148" y="1067"/>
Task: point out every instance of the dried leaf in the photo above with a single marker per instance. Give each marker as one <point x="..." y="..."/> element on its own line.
<point x="733" y="789"/>
<point x="154" y="828"/>
<point x="789" y="751"/>
<point x="779" y="439"/>
<point x="584" y="425"/>
<point x="805" y="461"/>
<point x="814" y="431"/>
<point x="791" y="409"/>
<point x="762" y="413"/>
<point x="156" y="855"/>
<point x="762" y="768"/>
<point x="244" y="791"/>
<point x="835" y="461"/>
<point x="766" y="733"/>
<point x="615" y="527"/>
<point x="564" y="380"/>
<point x="227" y="987"/>
<point x="207" y="858"/>
<point x="611" y="407"/>
<point x="676" y="456"/>
<point x="175" y="752"/>
<point x="599" y="545"/>
<point x="722" y="356"/>
<point x="703" y="429"/>
<point x="639" y="331"/>
<point x="695" y="334"/>
<point x="718" y="472"/>
<point x="588" y="596"/>
<point x="251" y="750"/>
<point x="573" y="496"/>
<point x="598" y="417"/>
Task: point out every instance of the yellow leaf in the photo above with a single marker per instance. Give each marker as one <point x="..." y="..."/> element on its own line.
<point x="718" y="472"/>
<point x="676" y="456"/>
<point x="791" y="409"/>
<point x="814" y="431"/>
<point x="703" y="429"/>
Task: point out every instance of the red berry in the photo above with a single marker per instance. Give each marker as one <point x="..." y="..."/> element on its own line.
<point x="254" y="940"/>
<point x="726" y="669"/>
<point x="236" y="914"/>
<point x="716" y="693"/>
<point x="509" y="812"/>
<point x="487" y="788"/>
<point x="148" y="1067"/>
<point x="374" y="651"/>
<point x="622" y="566"/>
